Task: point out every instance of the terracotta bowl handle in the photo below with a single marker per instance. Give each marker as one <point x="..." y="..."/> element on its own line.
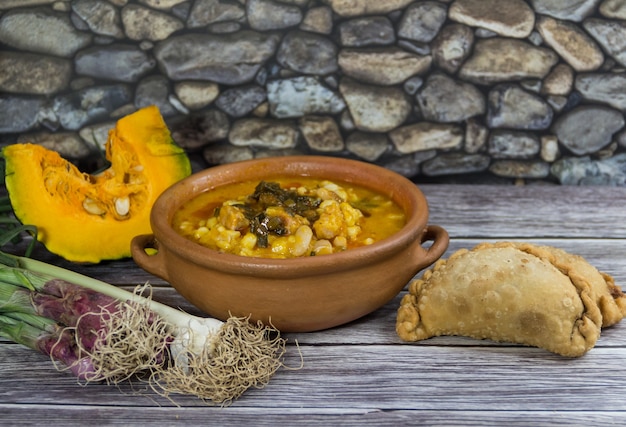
<point x="153" y="264"/>
<point x="440" y="239"/>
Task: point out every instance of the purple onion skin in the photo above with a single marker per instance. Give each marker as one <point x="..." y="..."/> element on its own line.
<point x="76" y="306"/>
<point x="85" y="310"/>
<point x="62" y="347"/>
<point x="78" y="300"/>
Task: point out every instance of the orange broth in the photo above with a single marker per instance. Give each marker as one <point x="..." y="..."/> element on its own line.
<point x="379" y="217"/>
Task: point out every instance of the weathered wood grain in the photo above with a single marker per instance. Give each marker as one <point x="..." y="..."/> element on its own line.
<point x="362" y="373"/>
<point x="528" y="211"/>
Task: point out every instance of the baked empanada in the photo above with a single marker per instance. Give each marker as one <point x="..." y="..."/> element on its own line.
<point x="513" y="292"/>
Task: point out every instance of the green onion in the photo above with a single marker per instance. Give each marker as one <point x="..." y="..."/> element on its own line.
<point x="102" y="332"/>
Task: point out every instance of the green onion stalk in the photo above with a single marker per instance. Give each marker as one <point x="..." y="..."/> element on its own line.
<point x="100" y="332"/>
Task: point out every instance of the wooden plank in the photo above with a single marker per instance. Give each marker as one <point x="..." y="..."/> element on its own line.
<point x="376" y="378"/>
<point x="528" y="211"/>
<point x="79" y="416"/>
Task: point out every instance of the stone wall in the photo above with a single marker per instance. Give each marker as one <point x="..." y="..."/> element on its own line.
<point x="505" y="89"/>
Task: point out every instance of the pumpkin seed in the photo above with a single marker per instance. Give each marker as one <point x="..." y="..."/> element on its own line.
<point x="122" y="206"/>
<point x="92" y="207"/>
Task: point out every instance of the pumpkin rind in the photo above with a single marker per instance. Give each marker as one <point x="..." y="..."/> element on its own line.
<point x="90" y="218"/>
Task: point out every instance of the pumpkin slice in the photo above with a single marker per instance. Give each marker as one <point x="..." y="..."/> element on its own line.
<point x="90" y="218"/>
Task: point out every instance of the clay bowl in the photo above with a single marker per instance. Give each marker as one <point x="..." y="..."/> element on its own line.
<point x="301" y="294"/>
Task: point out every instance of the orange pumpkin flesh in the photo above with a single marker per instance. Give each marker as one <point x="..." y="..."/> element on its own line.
<point x="90" y="218"/>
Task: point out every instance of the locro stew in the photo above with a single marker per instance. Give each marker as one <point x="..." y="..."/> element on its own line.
<point x="288" y="217"/>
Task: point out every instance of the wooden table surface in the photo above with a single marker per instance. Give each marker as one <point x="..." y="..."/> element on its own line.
<point x="362" y="373"/>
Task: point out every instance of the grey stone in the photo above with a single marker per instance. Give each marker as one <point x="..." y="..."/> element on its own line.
<point x="77" y="109"/>
<point x="100" y="16"/>
<point x="195" y="95"/>
<point x="229" y="59"/>
<point x="415" y="47"/>
<point x="118" y="62"/>
<point x="559" y="81"/>
<point x="22" y="29"/>
<point x="365" y="7"/>
<point x="426" y="136"/>
<point x="443" y="99"/>
<point x="520" y="169"/>
<point x="161" y="4"/>
<point x="613" y="9"/>
<point x="452" y="46"/>
<point x="498" y="59"/>
<point x="367" y="145"/>
<point x="265" y="15"/>
<point x="549" y="148"/>
<point x="506" y="144"/>
<point x="403" y="165"/>
<point x="367" y="31"/>
<point x="610" y="34"/>
<point x="307" y="53"/>
<point x="375" y="108"/>
<point x="557" y="102"/>
<point x="11" y="4"/>
<point x="18" y="113"/>
<point x="321" y="133"/>
<point x="421" y="21"/>
<point x="476" y="135"/>
<point x="585" y="171"/>
<point x="318" y="20"/>
<point x="508" y="18"/>
<point x="267" y="133"/>
<point x="571" y="43"/>
<point x="483" y="33"/>
<point x="572" y="10"/>
<point x="181" y="10"/>
<point x="587" y="129"/>
<point x="512" y="107"/>
<point x="33" y="74"/>
<point x="142" y="23"/>
<point x="240" y="101"/>
<point x="299" y="96"/>
<point x="345" y="121"/>
<point x="412" y="85"/>
<point x="605" y="88"/>
<point x="206" y="12"/>
<point x="154" y="90"/>
<point x="200" y="129"/>
<point x="455" y="163"/>
<point x="382" y="66"/>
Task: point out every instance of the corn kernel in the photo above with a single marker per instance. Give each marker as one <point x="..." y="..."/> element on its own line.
<point x="280" y="246"/>
<point x="200" y="231"/>
<point x="340" y="242"/>
<point x="353" y="231"/>
<point x="248" y="241"/>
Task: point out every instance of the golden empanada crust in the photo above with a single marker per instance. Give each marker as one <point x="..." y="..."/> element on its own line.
<point x="513" y="292"/>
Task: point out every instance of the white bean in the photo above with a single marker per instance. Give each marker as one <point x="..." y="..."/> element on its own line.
<point x="303" y="235"/>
